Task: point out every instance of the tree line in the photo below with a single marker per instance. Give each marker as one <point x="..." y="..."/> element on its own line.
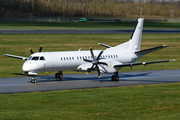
<point x="89" y="8"/>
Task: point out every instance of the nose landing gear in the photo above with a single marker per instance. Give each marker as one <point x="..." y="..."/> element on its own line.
<point x="33" y="80"/>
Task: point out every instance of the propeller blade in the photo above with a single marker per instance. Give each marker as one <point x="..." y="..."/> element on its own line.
<point x="98" y="71"/>
<point x="92" y="53"/>
<point x="99" y="55"/>
<point x="90" y="69"/>
<point x="40" y="49"/>
<point x="103" y="63"/>
<point x="87" y="60"/>
<point x="31" y="50"/>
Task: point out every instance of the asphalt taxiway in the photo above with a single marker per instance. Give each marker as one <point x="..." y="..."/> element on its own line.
<point x="80" y="31"/>
<point x="82" y="81"/>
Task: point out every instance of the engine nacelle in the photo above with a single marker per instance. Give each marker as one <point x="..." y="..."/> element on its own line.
<point x="103" y="68"/>
<point x="84" y="67"/>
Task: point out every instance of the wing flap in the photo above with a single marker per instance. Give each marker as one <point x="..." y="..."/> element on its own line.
<point x="143" y="52"/>
<point x="14" y="56"/>
<point x="142" y="63"/>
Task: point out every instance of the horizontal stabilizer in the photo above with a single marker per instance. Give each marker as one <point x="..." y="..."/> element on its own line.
<point x="143" y="52"/>
<point x="104" y="45"/>
<point x="142" y="63"/>
<point x="14" y="56"/>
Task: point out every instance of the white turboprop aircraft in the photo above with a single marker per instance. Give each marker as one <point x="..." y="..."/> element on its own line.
<point x="108" y="61"/>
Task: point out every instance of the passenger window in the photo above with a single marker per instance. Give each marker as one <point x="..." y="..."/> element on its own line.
<point x="61" y="59"/>
<point x="35" y="58"/>
<point x="77" y="58"/>
<point x="72" y="58"/>
<point x="42" y="58"/>
<point x="69" y="58"/>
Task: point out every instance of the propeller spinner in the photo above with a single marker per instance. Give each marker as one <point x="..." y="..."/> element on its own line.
<point x="95" y="62"/>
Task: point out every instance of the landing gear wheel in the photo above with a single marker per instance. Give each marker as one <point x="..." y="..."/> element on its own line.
<point x="59" y="75"/>
<point x="33" y="80"/>
<point x="115" y="77"/>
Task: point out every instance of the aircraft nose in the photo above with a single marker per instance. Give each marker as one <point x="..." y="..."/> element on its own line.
<point x="26" y="67"/>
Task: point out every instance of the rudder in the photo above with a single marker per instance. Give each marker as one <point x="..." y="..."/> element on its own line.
<point x="135" y="40"/>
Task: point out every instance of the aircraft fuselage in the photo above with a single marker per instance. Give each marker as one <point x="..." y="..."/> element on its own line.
<point x="70" y="60"/>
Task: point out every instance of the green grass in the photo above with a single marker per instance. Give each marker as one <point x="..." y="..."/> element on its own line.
<point x="88" y="25"/>
<point x="157" y="102"/>
<point x="149" y="102"/>
<point x="20" y="44"/>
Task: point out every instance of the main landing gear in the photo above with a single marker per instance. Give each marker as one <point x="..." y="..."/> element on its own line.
<point x="115" y="77"/>
<point x="33" y="80"/>
<point x="59" y="75"/>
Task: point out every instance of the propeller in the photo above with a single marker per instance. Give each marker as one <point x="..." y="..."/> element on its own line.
<point x="95" y="62"/>
<point x="40" y="49"/>
<point x="31" y="50"/>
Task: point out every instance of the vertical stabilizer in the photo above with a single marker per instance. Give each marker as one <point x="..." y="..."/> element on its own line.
<point x="135" y="40"/>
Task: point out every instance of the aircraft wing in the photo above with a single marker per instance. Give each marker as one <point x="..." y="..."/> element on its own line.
<point x="14" y="56"/>
<point x="142" y="63"/>
<point x="143" y="52"/>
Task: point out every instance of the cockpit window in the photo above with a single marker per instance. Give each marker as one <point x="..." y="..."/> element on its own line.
<point x="42" y="58"/>
<point x="35" y="58"/>
<point x="30" y="58"/>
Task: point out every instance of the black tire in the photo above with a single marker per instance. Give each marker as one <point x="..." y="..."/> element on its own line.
<point x="113" y="78"/>
<point x="117" y="78"/>
<point x="33" y="80"/>
<point x="58" y="76"/>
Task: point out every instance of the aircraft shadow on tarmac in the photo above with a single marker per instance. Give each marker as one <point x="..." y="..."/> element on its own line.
<point x="21" y="74"/>
<point x="93" y="77"/>
<point x="134" y="75"/>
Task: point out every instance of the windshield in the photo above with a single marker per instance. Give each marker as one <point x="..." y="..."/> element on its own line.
<point x="35" y="58"/>
<point x="30" y="58"/>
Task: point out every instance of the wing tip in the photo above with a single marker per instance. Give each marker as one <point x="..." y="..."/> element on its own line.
<point x="172" y="60"/>
<point x="166" y="45"/>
